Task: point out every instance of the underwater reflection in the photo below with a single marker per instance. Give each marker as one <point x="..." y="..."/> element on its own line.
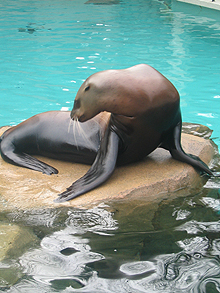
<point x="61" y="256"/>
<point x="64" y="254"/>
<point x="181" y="272"/>
<point x="95" y="251"/>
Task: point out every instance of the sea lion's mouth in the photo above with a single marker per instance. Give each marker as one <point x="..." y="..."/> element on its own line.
<point x="82" y="118"/>
<point x="75" y="117"/>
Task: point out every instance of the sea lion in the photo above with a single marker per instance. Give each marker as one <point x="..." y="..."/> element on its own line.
<point x="52" y="134"/>
<point x="124" y="115"/>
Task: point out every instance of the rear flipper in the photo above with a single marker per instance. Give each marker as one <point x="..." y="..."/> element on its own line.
<point x="175" y="148"/>
<point x="24" y="160"/>
<point x="100" y="171"/>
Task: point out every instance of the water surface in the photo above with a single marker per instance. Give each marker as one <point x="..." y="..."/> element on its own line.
<point x="49" y="47"/>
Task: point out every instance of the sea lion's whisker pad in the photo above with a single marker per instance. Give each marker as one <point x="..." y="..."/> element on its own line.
<point x="119" y="117"/>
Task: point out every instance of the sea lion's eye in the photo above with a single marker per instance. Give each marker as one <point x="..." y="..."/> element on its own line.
<point x="87" y="88"/>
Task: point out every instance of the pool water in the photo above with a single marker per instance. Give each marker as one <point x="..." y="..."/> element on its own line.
<point x="47" y="49"/>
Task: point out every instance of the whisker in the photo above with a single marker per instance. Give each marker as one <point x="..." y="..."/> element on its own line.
<point x="102" y="121"/>
<point x="105" y="119"/>
<point x="74" y="131"/>
<point x="84" y="135"/>
<point x="69" y="125"/>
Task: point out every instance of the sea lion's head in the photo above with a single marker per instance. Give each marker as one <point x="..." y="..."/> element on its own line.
<point x="107" y="90"/>
<point x="83" y="108"/>
<point x="132" y="92"/>
<point x="90" y="98"/>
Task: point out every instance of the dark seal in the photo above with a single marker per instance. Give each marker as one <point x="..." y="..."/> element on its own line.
<point x="143" y="113"/>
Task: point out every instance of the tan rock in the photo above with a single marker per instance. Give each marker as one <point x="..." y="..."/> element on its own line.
<point x="14" y="240"/>
<point x="156" y="177"/>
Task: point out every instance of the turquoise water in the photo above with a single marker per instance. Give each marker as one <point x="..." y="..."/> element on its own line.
<point x="47" y="49"/>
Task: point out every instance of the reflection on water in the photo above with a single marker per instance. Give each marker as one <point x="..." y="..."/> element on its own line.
<point x="175" y="248"/>
<point x="62" y="256"/>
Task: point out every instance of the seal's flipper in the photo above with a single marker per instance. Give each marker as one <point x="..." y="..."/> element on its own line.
<point x="175" y="148"/>
<point x="13" y="156"/>
<point x="100" y="171"/>
<point x="35" y="164"/>
<point x="27" y="161"/>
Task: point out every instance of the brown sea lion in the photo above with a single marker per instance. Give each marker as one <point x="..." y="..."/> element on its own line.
<point x="143" y="113"/>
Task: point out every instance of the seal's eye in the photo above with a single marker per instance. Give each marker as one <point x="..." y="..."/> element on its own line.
<point x="87" y="88"/>
<point x="76" y="104"/>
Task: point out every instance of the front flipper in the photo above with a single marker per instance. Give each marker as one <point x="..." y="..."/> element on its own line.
<point x="100" y="171"/>
<point x="175" y="148"/>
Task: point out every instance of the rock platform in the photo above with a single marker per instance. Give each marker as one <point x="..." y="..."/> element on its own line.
<point x="157" y="177"/>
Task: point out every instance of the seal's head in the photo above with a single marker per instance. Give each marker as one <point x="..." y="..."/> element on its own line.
<point x="102" y="91"/>
<point x="84" y="104"/>
<point x="90" y="97"/>
<point x="131" y="92"/>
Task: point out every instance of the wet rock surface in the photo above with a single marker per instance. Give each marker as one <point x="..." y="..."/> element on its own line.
<point x="157" y="177"/>
<point x="14" y="240"/>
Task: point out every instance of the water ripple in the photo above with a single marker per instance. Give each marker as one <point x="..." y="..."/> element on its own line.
<point x="48" y="263"/>
<point x="194" y="227"/>
<point x="95" y="220"/>
<point x="61" y="263"/>
<point x="135" y="268"/>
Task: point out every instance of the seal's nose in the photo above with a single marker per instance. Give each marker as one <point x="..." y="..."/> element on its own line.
<point x="72" y="115"/>
<point x="76" y="108"/>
